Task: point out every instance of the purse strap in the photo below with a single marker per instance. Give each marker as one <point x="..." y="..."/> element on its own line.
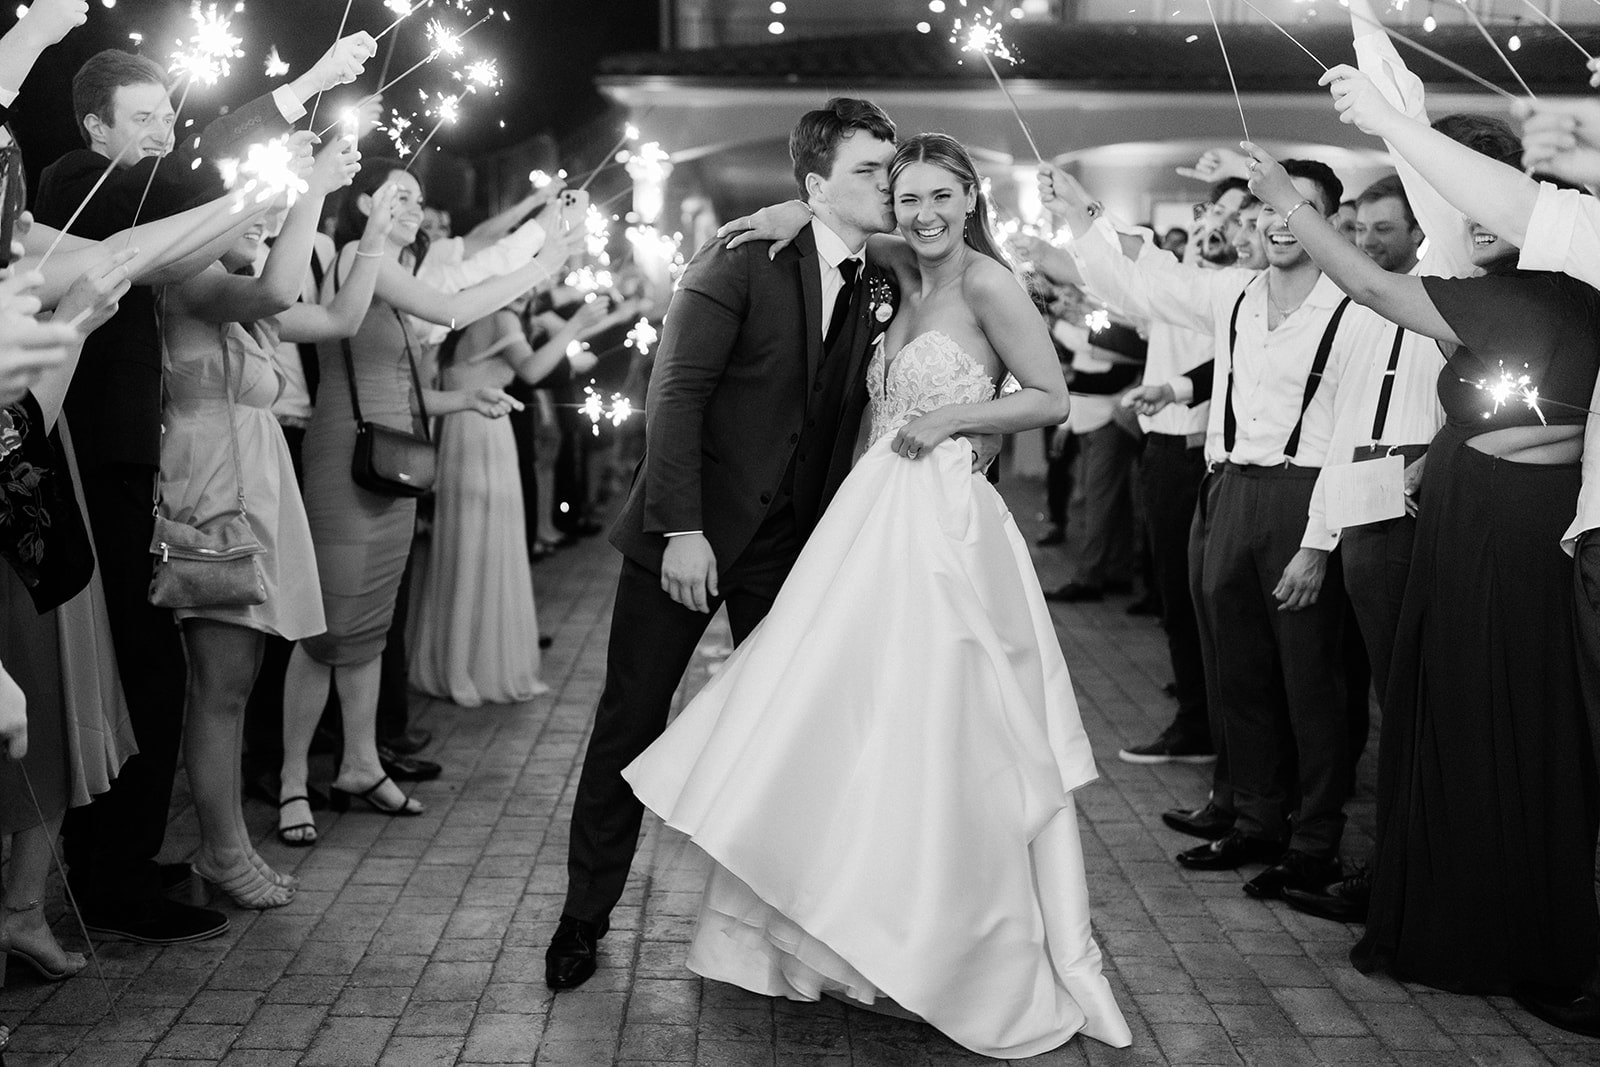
<point x="227" y="392"/>
<point x="411" y="361"/>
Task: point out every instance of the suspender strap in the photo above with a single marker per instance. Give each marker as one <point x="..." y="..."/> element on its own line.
<point x="1229" y="423"/>
<point x="1386" y="393"/>
<point x="1314" y="379"/>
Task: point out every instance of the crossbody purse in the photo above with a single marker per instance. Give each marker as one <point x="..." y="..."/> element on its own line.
<point x="388" y="461"/>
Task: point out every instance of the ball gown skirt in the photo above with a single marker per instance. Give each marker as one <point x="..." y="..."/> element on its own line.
<point x="883" y="772"/>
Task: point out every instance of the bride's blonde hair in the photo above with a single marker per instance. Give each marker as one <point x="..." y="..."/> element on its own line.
<point x="943" y="151"/>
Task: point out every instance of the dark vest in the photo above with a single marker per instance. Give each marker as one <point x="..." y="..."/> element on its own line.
<point x="805" y="479"/>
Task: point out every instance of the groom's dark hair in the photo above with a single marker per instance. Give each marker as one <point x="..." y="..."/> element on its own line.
<point x="814" y="141"/>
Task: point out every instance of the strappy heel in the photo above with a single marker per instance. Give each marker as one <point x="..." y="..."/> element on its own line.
<point x="309" y="838"/>
<point x="339" y="800"/>
<point x="243" y="884"/>
<point x="72" y="962"/>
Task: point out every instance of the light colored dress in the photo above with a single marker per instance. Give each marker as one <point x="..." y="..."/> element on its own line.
<point x="883" y="771"/>
<point x="200" y="479"/>
<point x="474" y="635"/>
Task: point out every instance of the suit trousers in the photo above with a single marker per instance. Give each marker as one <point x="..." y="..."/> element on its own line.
<point x="1280" y="674"/>
<point x="1170" y="477"/>
<point x="1586" y="611"/>
<point x="1221" y="789"/>
<point x="1107" y="456"/>
<point x="111" y="844"/>
<point x="653" y="638"/>
<point x="1377" y="561"/>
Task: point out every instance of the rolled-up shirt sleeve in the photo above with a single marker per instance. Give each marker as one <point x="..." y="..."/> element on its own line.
<point x="1563" y="234"/>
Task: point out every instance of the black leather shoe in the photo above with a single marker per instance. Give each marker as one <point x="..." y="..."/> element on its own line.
<point x="1342" y="902"/>
<point x="407" y="768"/>
<point x="1209" y="822"/>
<point x="569" y="961"/>
<point x="1296" y="870"/>
<point x="174" y="876"/>
<point x="1568" y="1009"/>
<point x="1230" y="851"/>
<point x="1075" y="593"/>
<point x="166" y="922"/>
<point x="409" y="743"/>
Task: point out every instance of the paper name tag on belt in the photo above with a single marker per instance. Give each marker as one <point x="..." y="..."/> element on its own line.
<point x="1370" y="491"/>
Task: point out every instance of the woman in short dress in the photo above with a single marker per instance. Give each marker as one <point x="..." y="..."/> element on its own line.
<point x="362" y="538"/>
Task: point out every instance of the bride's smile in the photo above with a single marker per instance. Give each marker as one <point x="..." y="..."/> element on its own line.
<point x="931" y="209"/>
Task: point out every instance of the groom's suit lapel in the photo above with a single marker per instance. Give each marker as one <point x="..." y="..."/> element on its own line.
<point x="805" y="244"/>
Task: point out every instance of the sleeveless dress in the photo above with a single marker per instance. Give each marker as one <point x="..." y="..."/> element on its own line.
<point x="473" y="634"/>
<point x="883" y="771"/>
<point x="199" y="479"/>
<point x="362" y="538"/>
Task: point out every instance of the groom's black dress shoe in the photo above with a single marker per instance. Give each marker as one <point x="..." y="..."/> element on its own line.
<point x="1209" y="822"/>
<point x="1341" y="902"/>
<point x="569" y="961"/>
<point x="1231" y="850"/>
<point x="1296" y="870"/>
<point x="1569" y="1009"/>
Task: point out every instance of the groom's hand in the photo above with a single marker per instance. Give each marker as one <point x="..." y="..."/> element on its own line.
<point x="985" y="447"/>
<point x="689" y="571"/>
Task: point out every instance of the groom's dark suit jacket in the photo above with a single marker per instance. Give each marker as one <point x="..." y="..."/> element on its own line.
<point x="732" y="393"/>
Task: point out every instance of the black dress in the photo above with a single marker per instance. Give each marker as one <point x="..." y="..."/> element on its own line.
<point x="1487" y="798"/>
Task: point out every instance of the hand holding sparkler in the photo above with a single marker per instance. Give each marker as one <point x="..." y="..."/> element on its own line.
<point x="92" y="299"/>
<point x="28" y="348"/>
<point x="1216" y="164"/>
<point x="1269" y="181"/>
<point x="1065" y="198"/>
<point x="47" y="22"/>
<point x="1562" y="138"/>
<point x="335" y="166"/>
<point x="1359" y="102"/>
<point x="380" y="220"/>
<point x="339" y="65"/>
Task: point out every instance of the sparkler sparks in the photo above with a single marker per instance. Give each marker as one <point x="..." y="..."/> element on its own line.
<point x="480" y="74"/>
<point x="642" y="337"/>
<point x="1096" y="321"/>
<point x="211" y="48"/>
<point x="597" y="410"/>
<point x="276" y="67"/>
<point x="268" y="171"/>
<point x="445" y="40"/>
<point x="981" y="34"/>
<point x="1510" y="388"/>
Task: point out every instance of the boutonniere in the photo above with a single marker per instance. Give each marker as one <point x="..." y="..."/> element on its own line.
<point x="880" y="297"/>
<point x="10" y="436"/>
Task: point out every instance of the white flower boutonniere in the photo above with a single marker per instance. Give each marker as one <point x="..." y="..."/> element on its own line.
<point x="880" y="297"/>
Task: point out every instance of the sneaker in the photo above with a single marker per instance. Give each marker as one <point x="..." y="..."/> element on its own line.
<point x="1170" y="747"/>
<point x="166" y="922"/>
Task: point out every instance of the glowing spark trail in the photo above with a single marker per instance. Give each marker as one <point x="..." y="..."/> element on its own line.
<point x="982" y="35"/>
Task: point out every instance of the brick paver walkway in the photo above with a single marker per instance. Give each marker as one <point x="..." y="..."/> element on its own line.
<point x="421" y="941"/>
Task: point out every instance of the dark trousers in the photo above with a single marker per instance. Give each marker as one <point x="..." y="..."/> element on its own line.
<point x="1108" y="455"/>
<point x="1221" y="788"/>
<point x="1280" y="674"/>
<point x="1586" y="612"/>
<point x="1169" y="477"/>
<point x="394" y="687"/>
<point x="1058" y="473"/>
<point x="112" y="843"/>
<point x="1377" y="562"/>
<point x="652" y="641"/>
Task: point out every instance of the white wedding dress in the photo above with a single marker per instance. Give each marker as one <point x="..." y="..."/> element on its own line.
<point x="883" y="771"/>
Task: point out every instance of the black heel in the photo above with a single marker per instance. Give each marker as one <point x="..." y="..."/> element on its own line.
<point x="339" y="800"/>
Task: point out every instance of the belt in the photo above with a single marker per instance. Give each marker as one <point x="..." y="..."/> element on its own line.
<point x="1277" y="471"/>
<point x="1176" y="440"/>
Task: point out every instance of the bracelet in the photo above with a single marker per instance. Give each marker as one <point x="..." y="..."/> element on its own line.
<point x="369" y="255"/>
<point x="1289" y="216"/>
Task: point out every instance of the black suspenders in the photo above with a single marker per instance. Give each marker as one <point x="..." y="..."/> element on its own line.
<point x="1319" y="365"/>
<point x="1387" y="392"/>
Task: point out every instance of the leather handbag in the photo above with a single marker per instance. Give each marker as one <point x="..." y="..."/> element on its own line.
<point x="387" y="461"/>
<point x="215" y="566"/>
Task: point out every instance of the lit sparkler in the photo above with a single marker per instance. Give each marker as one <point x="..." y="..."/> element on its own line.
<point x="211" y="50"/>
<point x="448" y="110"/>
<point x="1097" y="320"/>
<point x="276" y="67"/>
<point x="480" y="74"/>
<point x="642" y="337"/>
<point x="597" y="410"/>
<point x="1510" y="388"/>
<point x="981" y="34"/>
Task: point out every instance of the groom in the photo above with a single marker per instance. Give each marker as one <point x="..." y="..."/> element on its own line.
<point x="755" y="401"/>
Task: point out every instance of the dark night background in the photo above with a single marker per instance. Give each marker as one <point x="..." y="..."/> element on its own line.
<point x="547" y="54"/>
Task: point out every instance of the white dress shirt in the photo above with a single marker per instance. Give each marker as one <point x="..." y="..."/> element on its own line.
<point x="1268" y="367"/>
<point x="1564" y="235"/>
<point x="1172" y="351"/>
<point x="832" y="251"/>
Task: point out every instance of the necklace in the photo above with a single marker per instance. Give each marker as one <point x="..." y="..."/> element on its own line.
<point x="1284" y="312"/>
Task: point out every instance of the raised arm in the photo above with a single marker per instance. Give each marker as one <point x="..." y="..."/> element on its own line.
<point x="1399" y="298"/>
<point x="342" y="316"/>
<point x="44" y="23"/>
<point x="1498" y="197"/>
<point x="397" y="286"/>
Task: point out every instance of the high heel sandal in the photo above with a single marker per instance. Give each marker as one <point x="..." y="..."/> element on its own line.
<point x="244" y="885"/>
<point x="73" y="962"/>
<point x="307" y="839"/>
<point x="277" y="878"/>
<point x="339" y="800"/>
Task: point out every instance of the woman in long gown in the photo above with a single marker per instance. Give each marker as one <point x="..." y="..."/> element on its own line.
<point x="882" y="774"/>
<point x="474" y="635"/>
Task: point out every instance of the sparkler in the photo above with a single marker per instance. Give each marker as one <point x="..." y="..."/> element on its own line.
<point x="1512" y="387"/>
<point x="630" y="132"/>
<point x="1557" y="27"/>
<point x="276" y="67"/>
<point x="449" y="110"/>
<point x="336" y="38"/>
<point x="269" y="171"/>
<point x="93" y="189"/>
<point x="212" y="48"/>
<point x="1487" y="36"/>
<point x="445" y="42"/>
<point x="982" y="35"/>
<point x="596" y="410"/>
<point x="1287" y="34"/>
<point x="1229" y="64"/>
<point x="642" y="337"/>
<point x="1400" y="38"/>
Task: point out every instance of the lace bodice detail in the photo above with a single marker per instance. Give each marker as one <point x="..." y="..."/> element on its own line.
<point x="930" y="371"/>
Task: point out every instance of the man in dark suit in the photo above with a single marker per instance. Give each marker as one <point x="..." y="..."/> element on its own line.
<point x="755" y="401"/>
<point x="122" y="105"/>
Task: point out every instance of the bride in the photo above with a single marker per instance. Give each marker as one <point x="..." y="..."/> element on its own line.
<point x="882" y="773"/>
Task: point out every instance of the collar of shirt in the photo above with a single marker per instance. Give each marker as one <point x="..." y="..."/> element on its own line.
<point x="831" y="248"/>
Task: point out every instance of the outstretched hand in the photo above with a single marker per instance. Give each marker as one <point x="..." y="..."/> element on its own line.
<point x="343" y="62"/>
<point x="1562" y="138"/>
<point x="1358" y="101"/>
<point x="779" y="223"/>
<point x="1268" y="180"/>
<point x="52" y="20"/>
<point x="1215" y="164"/>
<point x="1065" y="198"/>
<point x="1149" y="399"/>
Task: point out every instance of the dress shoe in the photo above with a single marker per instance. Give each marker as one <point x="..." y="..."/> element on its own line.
<point x="1230" y="851"/>
<point x="1342" y="902"/>
<point x="570" y="959"/>
<point x="1296" y="870"/>
<point x="409" y="743"/>
<point x="174" y="876"/>
<point x="1055" y="535"/>
<point x="1171" y="747"/>
<point x="1209" y="822"/>
<point x="1076" y="593"/>
<point x="1572" y="1010"/>
<point x="166" y="922"/>
<point x="407" y="768"/>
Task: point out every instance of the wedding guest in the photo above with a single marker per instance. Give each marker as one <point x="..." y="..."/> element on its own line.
<point x="1485" y="710"/>
<point x="124" y="113"/>
<point x="363" y="538"/>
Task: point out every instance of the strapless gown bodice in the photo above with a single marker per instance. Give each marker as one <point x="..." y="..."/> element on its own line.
<point x="930" y="371"/>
